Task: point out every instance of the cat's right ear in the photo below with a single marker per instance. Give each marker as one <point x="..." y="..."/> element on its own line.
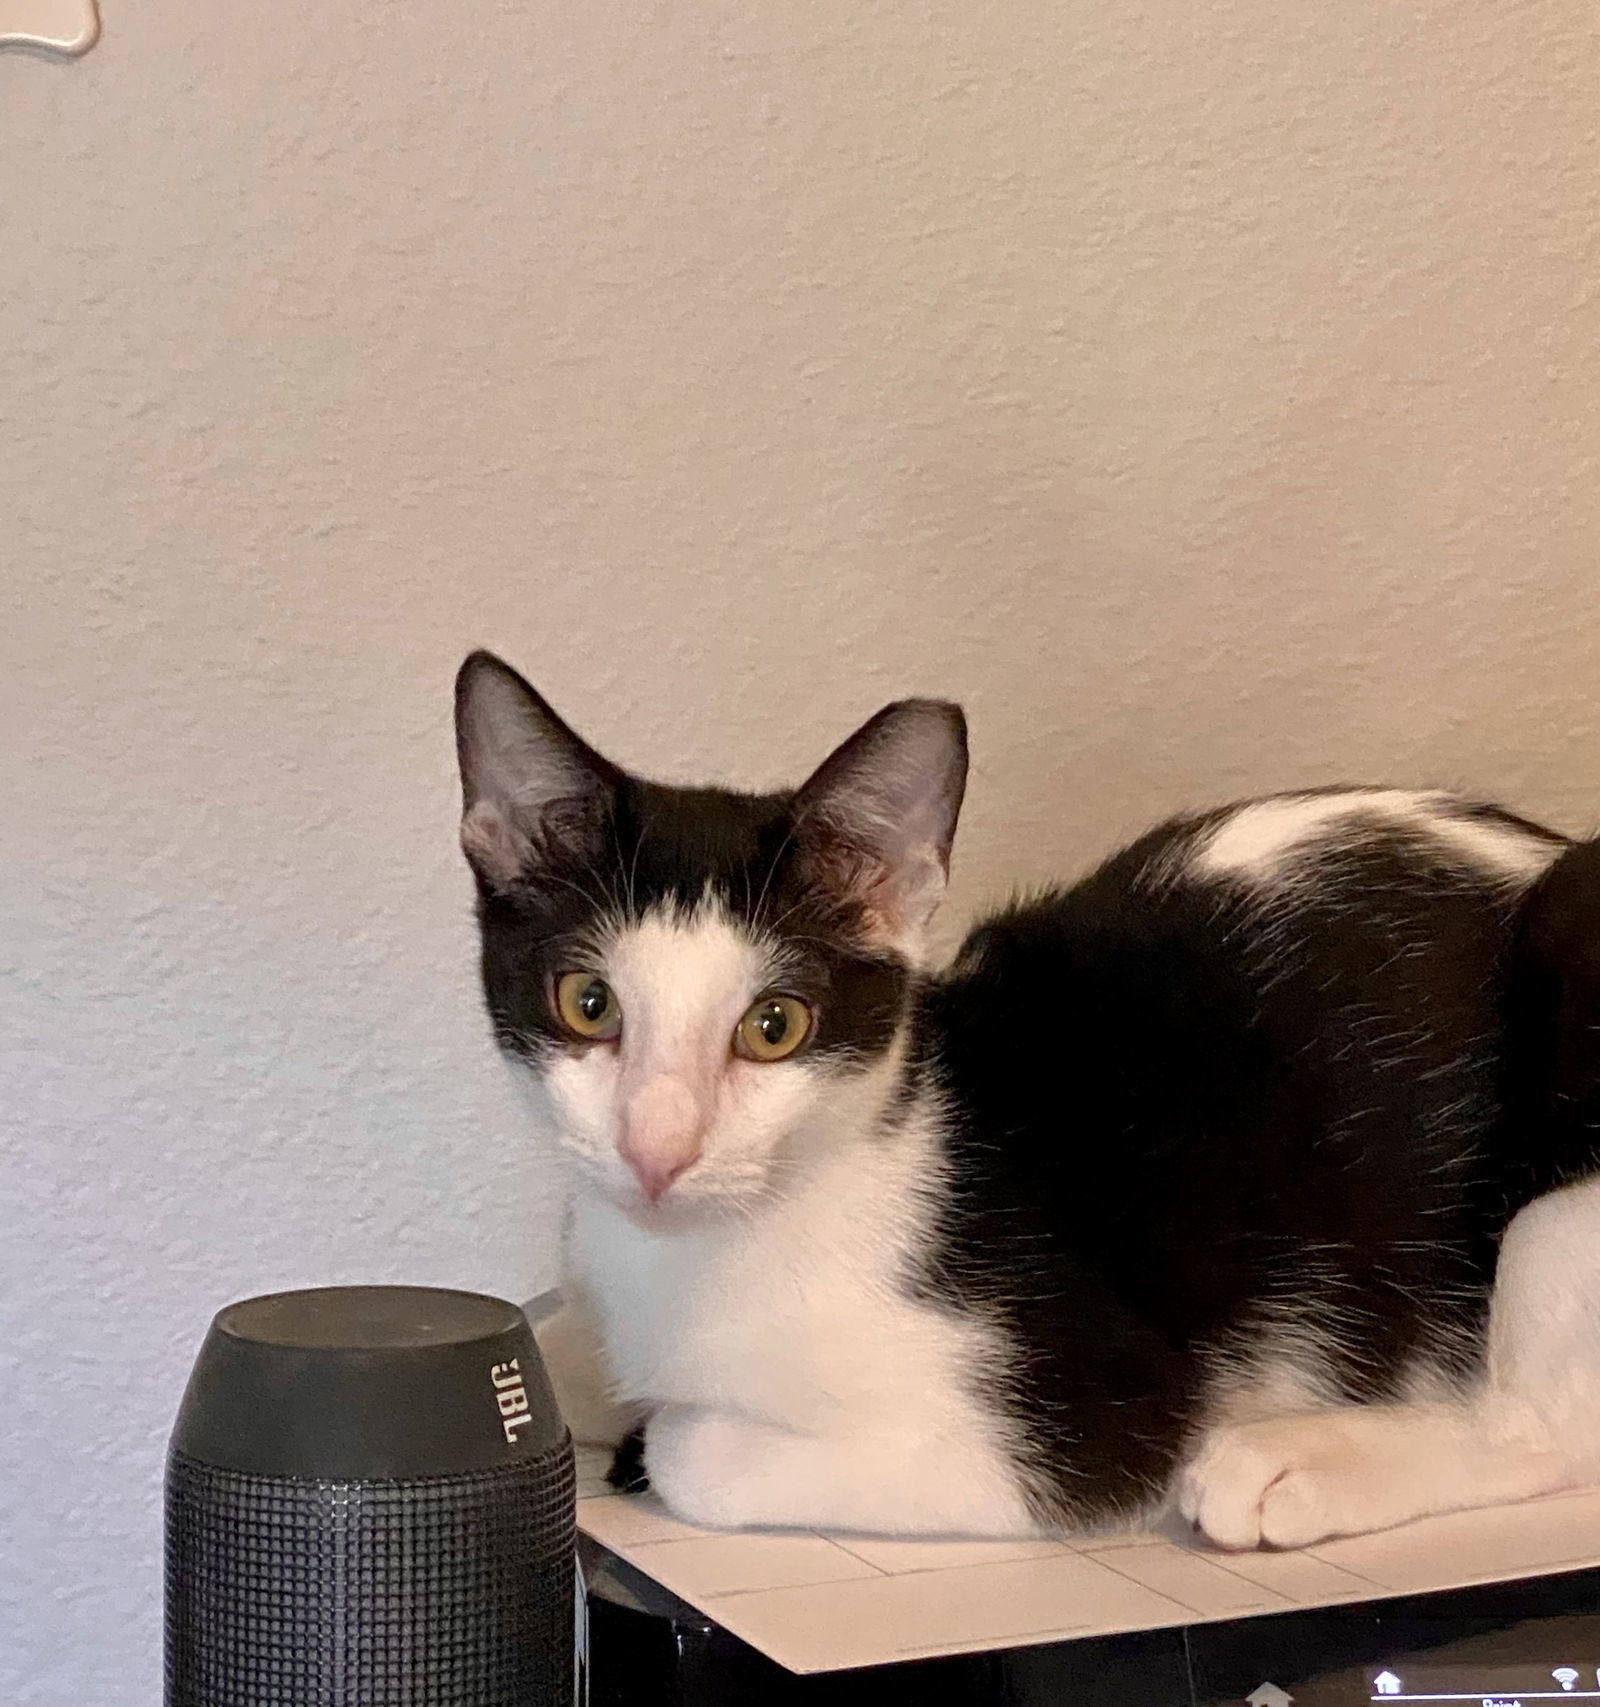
<point x="532" y="793"/>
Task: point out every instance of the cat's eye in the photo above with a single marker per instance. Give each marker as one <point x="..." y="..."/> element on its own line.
<point x="772" y="1028"/>
<point x="588" y="1006"/>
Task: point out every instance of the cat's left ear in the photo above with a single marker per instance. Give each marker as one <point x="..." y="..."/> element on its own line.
<point x="875" y="822"/>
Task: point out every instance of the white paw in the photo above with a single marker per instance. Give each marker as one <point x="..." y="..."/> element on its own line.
<point x="701" y="1463"/>
<point x="1280" y="1484"/>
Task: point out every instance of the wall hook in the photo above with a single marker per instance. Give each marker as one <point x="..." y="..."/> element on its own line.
<point x="67" y="27"/>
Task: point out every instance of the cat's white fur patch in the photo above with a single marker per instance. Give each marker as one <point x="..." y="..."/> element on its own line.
<point x="794" y="1377"/>
<point x="1259" y="841"/>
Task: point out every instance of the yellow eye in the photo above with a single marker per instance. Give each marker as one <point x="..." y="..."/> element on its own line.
<point x="587" y="1005"/>
<point x="772" y="1029"/>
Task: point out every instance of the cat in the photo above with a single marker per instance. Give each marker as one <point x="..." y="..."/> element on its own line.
<point x="1251" y="1178"/>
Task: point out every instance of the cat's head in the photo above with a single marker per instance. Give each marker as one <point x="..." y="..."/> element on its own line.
<point x="704" y="987"/>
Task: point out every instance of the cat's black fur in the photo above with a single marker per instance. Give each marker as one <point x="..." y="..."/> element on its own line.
<point x="628" y="1474"/>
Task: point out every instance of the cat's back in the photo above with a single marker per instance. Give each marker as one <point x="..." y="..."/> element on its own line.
<point x="1370" y="891"/>
<point x="1254" y="1016"/>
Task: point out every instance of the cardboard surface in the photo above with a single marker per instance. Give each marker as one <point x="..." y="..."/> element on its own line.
<point x="827" y="1602"/>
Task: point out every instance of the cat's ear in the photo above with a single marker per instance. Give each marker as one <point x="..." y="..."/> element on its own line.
<point x="875" y="822"/>
<point x="532" y="793"/>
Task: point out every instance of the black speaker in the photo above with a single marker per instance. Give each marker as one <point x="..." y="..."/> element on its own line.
<point x="369" y="1503"/>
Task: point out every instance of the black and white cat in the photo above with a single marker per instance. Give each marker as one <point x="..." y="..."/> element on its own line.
<point x="1188" y="1185"/>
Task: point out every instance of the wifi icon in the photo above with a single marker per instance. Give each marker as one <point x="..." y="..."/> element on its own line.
<point x="1565" y="1676"/>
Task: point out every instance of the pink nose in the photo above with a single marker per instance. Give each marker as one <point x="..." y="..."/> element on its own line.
<point x="656" y="1174"/>
<point x="661" y="1134"/>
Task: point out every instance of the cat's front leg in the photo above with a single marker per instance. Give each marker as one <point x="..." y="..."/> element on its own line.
<point x="722" y="1470"/>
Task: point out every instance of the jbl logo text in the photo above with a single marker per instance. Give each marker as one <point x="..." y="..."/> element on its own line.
<point x="511" y="1398"/>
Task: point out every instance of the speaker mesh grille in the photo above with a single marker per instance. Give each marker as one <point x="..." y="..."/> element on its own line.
<point x="450" y="1591"/>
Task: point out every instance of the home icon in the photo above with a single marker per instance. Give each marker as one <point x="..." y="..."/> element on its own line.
<point x="1386" y="1683"/>
<point x="1269" y="1695"/>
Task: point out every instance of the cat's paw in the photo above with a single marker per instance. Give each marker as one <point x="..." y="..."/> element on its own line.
<point x="705" y="1465"/>
<point x="1287" y="1483"/>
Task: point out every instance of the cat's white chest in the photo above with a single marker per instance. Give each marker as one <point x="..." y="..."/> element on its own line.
<point x="803" y="1315"/>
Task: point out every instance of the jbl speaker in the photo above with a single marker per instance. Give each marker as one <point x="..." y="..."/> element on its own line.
<point x="369" y="1503"/>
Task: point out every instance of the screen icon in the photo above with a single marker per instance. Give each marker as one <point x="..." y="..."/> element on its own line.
<point x="1566" y="1676"/>
<point x="1386" y="1683"/>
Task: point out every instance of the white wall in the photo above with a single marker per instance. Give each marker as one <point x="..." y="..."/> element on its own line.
<point x="1205" y="395"/>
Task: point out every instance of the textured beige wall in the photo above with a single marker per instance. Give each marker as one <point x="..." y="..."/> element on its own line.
<point x="1207" y="395"/>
